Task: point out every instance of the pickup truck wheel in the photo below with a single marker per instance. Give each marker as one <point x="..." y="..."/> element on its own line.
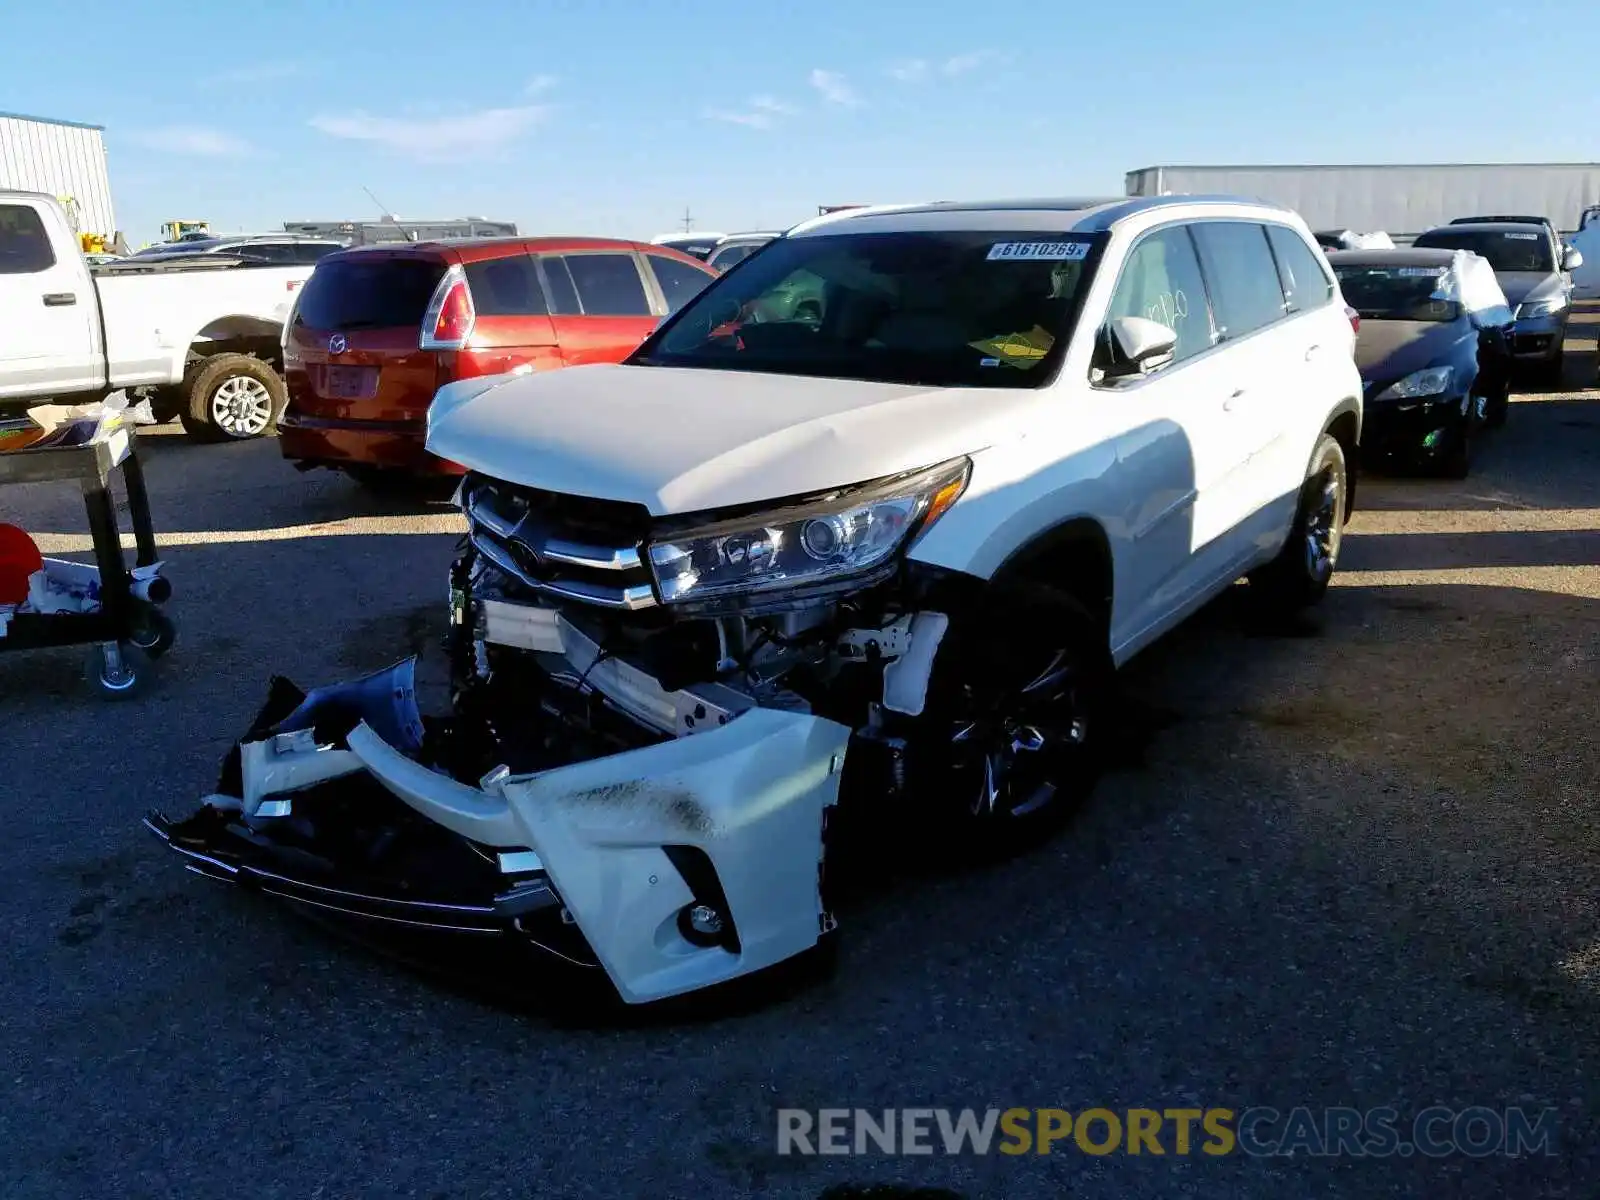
<point x="231" y="397"/>
<point x="1299" y="576"/>
<point x="1009" y="744"/>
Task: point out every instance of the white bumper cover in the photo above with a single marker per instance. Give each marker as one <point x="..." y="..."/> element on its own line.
<point x="750" y="794"/>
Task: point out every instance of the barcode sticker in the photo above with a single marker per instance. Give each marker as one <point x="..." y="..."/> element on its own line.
<point x="1040" y="251"/>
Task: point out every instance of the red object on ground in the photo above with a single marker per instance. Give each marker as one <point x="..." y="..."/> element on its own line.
<point x="19" y="558"/>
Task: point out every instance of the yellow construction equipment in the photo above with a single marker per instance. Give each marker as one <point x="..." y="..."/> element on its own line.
<point x="176" y="231"/>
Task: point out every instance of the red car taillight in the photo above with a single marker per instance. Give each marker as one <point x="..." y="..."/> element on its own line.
<point x="1355" y="319"/>
<point x="450" y="317"/>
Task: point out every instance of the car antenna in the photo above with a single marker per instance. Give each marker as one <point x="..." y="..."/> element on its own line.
<point x="383" y="208"/>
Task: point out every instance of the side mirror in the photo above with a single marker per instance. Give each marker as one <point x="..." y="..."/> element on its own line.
<point x="1138" y="346"/>
<point x="1571" y="259"/>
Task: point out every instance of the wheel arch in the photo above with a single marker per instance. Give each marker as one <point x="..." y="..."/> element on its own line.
<point x="1073" y="555"/>
<point x="240" y="333"/>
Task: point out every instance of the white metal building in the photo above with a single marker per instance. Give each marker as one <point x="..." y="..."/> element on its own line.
<point x="64" y="159"/>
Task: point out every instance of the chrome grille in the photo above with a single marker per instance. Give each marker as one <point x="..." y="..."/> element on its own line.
<point x="568" y="547"/>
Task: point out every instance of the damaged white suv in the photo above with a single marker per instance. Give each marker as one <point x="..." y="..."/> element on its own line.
<point x="866" y="526"/>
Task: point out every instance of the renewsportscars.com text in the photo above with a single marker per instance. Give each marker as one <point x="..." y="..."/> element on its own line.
<point x="1436" y="1132"/>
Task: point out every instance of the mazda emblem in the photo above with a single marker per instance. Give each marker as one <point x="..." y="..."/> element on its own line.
<point x="336" y="344"/>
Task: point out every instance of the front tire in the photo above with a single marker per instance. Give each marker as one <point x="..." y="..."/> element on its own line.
<point x="1009" y="743"/>
<point x="231" y="398"/>
<point x="1299" y="576"/>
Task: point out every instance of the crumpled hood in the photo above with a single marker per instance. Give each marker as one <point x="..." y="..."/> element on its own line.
<point x="1529" y="285"/>
<point x="1390" y="350"/>
<point x="680" y="440"/>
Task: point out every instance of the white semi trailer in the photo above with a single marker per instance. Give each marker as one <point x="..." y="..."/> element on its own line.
<point x="1402" y="199"/>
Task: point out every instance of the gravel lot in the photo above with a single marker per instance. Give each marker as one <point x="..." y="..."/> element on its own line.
<point x="1356" y="867"/>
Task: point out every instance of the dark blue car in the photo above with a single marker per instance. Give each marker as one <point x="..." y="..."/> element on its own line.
<point x="1434" y="352"/>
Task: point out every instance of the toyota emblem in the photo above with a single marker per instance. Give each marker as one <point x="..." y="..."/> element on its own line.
<point x="336" y="344"/>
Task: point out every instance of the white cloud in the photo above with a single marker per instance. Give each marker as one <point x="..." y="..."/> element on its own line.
<point x="438" y="139"/>
<point x="919" y="70"/>
<point x="540" y="84"/>
<point x="961" y="64"/>
<point x="769" y="104"/>
<point x="762" y="112"/>
<point x="835" y="89"/>
<point x="750" y="120"/>
<point x="913" y="70"/>
<point x="193" y="140"/>
<point x="262" y="72"/>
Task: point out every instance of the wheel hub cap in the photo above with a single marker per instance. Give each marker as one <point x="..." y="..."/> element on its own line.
<point x="1322" y="535"/>
<point x="241" y="406"/>
<point x="1012" y="746"/>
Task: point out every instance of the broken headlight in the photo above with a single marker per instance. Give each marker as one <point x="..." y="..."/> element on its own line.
<point x="845" y="533"/>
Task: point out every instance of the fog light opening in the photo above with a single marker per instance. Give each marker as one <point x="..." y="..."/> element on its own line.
<point x="702" y="925"/>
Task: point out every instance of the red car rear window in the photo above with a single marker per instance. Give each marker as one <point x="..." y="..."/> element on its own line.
<point x="368" y="293"/>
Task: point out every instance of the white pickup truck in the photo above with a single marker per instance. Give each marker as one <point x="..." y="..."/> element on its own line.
<point x="201" y="334"/>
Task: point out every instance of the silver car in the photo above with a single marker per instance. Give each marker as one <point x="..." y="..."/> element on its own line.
<point x="1534" y="269"/>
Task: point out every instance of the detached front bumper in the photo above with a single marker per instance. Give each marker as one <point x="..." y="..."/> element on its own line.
<point x="670" y="868"/>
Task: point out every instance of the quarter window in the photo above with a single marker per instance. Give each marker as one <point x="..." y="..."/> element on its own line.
<point x="609" y="285"/>
<point x="1305" y="284"/>
<point x="1161" y="282"/>
<point x="506" y="287"/>
<point x="24" y="245"/>
<point x="562" y="291"/>
<point x="1242" y="276"/>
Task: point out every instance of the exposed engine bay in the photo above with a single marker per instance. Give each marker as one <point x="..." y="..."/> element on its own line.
<point x="647" y="789"/>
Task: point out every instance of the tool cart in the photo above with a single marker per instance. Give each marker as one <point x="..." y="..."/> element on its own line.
<point x="106" y="606"/>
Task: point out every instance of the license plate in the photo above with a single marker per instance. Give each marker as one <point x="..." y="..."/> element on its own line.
<point x="347" y="383"/>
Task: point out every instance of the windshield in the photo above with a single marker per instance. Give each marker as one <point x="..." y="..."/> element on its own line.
<point x="1394" y="293"/>
<point x="1506" y="249"/>
<point x="967" y="308"/>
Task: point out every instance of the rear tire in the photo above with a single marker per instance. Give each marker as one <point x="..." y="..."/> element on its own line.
<point x="1299" y="576"/>
<point x="231" y="398"/>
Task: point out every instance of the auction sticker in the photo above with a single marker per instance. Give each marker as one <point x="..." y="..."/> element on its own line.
<point x="1040" y="251"/>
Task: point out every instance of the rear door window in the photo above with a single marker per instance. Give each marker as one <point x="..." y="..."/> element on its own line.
<point x="1242" y="276"/>
<point x="1305" y="284"/>
<point x="24" y="244"/>
<point x="368" y="293"/>
<point x="680" y="283"/>
<point x="506" y="287"/>
<point x="609" y="285"/>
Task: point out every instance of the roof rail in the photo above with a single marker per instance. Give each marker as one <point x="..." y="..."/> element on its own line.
<point x="847" y="214"/>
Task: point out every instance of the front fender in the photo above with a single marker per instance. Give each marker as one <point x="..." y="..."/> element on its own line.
<point x="1010" y="500"/>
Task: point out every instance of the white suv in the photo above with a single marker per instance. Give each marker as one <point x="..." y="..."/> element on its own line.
<point x="878" y="553"/>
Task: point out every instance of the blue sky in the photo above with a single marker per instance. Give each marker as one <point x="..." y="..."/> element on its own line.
<point x="595" y="116"/>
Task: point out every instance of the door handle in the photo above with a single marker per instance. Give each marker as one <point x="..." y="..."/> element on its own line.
<point x="1312" y="352"/>
<point x="1227" y="405"/>
<point x="59" y="299"/>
